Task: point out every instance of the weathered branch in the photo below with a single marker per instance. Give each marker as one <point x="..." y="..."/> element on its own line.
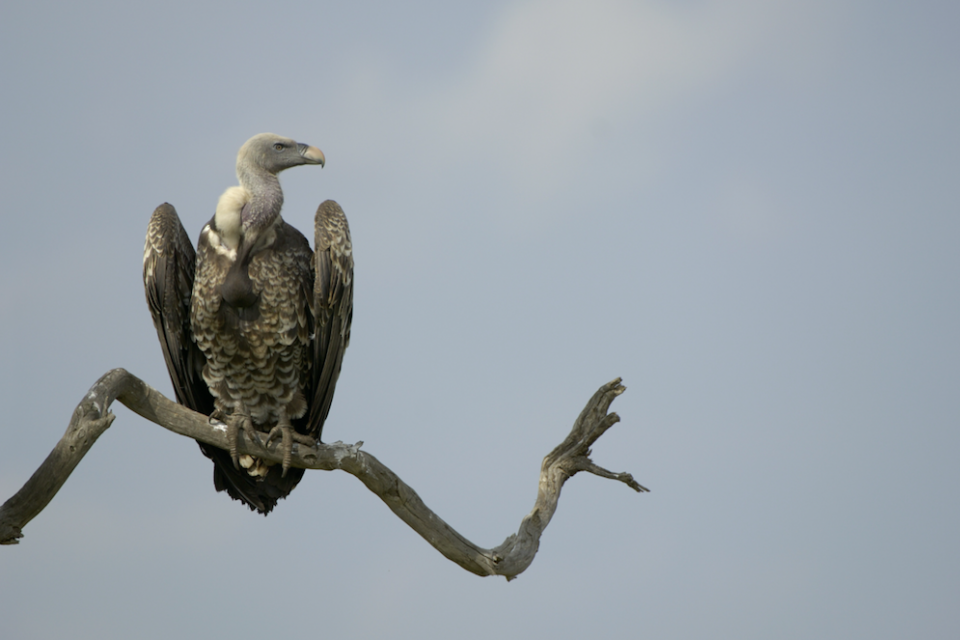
<point x="92" y="417"/>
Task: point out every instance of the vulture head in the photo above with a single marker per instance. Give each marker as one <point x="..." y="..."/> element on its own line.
<point x="272" y="153"/>
<point x="246" y="210"/>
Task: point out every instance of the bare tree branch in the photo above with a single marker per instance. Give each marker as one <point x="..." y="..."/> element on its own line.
<point x="92" y="417"/>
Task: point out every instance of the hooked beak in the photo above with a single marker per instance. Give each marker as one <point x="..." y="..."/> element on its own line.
<point x="312" y="155"/>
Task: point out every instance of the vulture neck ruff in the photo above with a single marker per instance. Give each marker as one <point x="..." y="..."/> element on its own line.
<point x="226" y="221"/>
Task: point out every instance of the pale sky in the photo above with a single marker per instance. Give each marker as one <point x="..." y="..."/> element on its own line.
<point x="747" y="210"/>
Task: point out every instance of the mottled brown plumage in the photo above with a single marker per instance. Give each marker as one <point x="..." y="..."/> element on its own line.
<point x="254" y="333"/>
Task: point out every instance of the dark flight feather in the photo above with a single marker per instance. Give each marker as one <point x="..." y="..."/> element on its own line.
<point x="332" y="307"/>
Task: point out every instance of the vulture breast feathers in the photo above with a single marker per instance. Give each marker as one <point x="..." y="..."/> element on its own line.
<point x="253" y="324"/>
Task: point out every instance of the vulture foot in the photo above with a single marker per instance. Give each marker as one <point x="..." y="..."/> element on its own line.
<point x="236" y="424"/>
<point x="284" y="430"/>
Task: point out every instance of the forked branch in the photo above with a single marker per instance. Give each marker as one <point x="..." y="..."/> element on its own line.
<point x="92" y="417"/>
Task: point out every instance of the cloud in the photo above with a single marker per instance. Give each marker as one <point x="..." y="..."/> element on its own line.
<point x="559" y="92"/>
<point x="551" y="76"/>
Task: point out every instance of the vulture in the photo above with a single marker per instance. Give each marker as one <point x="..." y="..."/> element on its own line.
<point x="253" y="324"/>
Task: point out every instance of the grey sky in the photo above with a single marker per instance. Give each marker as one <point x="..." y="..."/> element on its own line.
<point x="748" y="210"/>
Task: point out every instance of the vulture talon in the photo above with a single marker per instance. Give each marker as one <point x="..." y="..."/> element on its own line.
<point x="287" y="437"/>
<point x="235" y="424"/>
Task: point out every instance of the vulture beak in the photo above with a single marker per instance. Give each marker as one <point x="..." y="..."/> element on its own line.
<point x="311" y="155"/>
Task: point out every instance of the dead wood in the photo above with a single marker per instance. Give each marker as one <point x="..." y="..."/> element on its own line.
<point x="92" y="417"/>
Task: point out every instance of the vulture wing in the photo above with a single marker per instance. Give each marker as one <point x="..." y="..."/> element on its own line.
<point x="332" y="309"/>
<point x="169" y="261"/>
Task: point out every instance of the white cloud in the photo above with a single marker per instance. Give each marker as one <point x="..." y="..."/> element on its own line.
<point x="553" y="74"/>
<point x="560" y="96"/>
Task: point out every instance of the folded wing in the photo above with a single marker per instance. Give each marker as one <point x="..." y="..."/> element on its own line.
<point x="332" y="308"/>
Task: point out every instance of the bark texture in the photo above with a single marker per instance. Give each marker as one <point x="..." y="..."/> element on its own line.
<point x="92" y="417"/>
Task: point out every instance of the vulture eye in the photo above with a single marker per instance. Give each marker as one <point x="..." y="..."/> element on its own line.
<point x="278" y="146"/>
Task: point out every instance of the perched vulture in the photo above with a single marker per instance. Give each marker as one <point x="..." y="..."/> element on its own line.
<point x="253" y="325"/>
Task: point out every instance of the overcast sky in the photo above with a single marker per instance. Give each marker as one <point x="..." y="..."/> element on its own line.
<point x="748" y="210"/>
